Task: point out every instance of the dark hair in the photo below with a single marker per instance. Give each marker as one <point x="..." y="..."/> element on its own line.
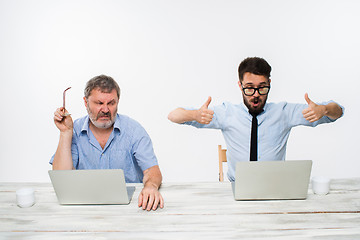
<point x="105" y="83"/>
<point x="254" y="65"/>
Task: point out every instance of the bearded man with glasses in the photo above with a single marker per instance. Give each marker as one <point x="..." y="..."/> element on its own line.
<point x="272" y="121"/>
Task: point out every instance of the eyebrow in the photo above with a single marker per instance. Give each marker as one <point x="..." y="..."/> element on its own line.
<point x="111" y="101"/>
<point x="262" y="84"/>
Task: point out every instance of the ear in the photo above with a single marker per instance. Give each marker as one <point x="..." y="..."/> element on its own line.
<point x="85" y="102"/>
<point x="239" y="83"/>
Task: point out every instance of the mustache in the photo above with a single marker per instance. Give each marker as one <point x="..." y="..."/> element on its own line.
<point x="255" y="100"/>
<point x="103" y="114"/>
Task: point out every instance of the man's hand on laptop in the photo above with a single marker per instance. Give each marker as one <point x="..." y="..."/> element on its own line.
<point x="150" y="198"/>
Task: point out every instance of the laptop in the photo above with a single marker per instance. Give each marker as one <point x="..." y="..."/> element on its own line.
<point x="272" y="180"/>
<point x="105" y="186"/>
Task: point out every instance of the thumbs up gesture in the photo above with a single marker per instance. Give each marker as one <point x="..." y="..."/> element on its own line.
<point x="314" y="112"/>
<point x="204" y="114"/>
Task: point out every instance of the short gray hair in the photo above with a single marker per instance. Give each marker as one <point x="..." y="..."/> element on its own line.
<point x="105" y="83"/>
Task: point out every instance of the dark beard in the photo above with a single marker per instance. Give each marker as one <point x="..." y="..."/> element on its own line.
<point x="258" y="109"/>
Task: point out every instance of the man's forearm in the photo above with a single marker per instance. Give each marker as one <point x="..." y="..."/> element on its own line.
<point x="181" y="115"/>
<point x="63" y="158"/>
<point x="152" y="177"/>
<point x="333" y="110"/>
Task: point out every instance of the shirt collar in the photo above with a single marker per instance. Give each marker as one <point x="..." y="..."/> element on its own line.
<point x="117" y="122"/>
<point x="85" y="127"/>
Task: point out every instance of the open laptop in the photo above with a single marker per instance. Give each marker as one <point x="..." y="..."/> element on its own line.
<point x="272" y="180"/>
<point x="105" y="186"/>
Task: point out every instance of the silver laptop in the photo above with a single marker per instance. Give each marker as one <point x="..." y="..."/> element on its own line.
<point x="105" y="186"/>
<point x="272" y="180"/>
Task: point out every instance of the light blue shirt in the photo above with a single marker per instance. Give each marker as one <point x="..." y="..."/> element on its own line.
<point x="274" y="125"/>
<point x="129" y="147"/>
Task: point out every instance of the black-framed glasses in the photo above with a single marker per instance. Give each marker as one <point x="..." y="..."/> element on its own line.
<point x="249" y="91"/>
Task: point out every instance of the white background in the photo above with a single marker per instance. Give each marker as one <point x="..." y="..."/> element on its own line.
<point x="166" y="54"/>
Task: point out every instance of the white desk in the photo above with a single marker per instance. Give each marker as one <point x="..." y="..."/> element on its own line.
<point x="192" y="211"/>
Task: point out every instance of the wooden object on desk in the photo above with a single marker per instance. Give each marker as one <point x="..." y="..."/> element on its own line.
<point x="192" y="211"/>
<point x="222" y="159"/>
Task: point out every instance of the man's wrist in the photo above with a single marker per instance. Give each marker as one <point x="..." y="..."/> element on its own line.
<point x="326" y="110"/>
<point x="151" y="184"/>
<point x="195" y="115"/>
<point x="66" y="134"/>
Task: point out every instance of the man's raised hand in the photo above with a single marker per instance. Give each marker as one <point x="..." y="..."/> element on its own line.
<point x="63" y="120"/>
<point x="205" y="115"/>
<point x="314" y="112"/>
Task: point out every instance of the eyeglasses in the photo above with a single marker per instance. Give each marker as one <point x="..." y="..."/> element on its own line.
<point x="64" y="98"/>
<point x="249" y="91"/>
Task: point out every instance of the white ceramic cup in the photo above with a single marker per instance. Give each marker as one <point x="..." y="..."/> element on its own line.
<point x="320" y="185"/>
<point x="25" y="197"/>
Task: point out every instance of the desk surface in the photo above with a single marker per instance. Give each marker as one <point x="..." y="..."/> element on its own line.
<point x="192" y="211"/>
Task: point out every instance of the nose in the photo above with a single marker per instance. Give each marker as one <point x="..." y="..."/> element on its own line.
<point x="256" y="94"/>
<point x="104" y="108"/>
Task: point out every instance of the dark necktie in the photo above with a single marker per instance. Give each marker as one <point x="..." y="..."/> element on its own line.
<point x="253" y="141"/>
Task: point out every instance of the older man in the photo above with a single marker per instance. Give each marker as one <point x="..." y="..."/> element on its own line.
<point x="105" y="139"/>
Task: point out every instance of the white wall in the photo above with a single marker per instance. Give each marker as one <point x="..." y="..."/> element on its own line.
<point x="167" y="53"/>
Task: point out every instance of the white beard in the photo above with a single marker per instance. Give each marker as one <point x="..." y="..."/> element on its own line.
<point x="103" y="125"/>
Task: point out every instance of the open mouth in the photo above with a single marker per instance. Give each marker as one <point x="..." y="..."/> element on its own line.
<point x="103" y="116"/>
<point x="256" y="102"/>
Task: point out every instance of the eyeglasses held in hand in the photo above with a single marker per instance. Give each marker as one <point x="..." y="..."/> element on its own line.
<point x="64" y="99"/>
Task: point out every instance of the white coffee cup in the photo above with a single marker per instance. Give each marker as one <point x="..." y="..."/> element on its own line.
<point x="25" y="197"/>
<point x="320" y="185"/>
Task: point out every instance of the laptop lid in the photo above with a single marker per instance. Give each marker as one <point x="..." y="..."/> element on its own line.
<point x="105" y="186"/>
<point x="272" y="180"/>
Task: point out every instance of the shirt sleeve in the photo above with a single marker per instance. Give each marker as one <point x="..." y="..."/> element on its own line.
<point x="142" y="150"/>
<point x="75" y="152"/>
